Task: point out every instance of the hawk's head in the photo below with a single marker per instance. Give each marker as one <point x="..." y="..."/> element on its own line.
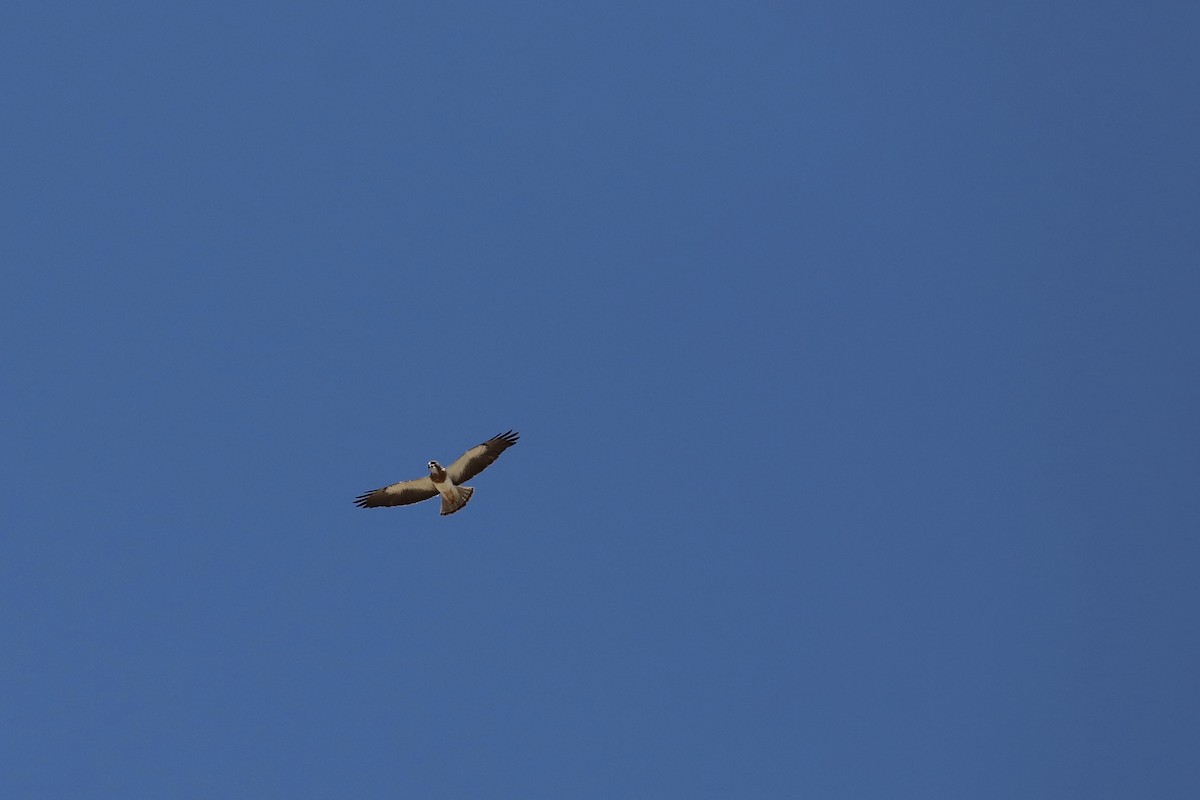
<point x="434" y="466"/>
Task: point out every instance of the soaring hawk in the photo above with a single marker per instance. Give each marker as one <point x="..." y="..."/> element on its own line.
<point x="446" y="482"/>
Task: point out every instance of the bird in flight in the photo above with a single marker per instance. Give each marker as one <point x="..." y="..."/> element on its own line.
<point x="444" y="481"/>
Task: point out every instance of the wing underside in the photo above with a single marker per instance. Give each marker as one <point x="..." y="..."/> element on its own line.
<point x="398" y="494"/>
<point x="480" y="457"/>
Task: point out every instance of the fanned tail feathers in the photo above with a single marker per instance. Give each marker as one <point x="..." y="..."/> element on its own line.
<point x="449" y="506"/>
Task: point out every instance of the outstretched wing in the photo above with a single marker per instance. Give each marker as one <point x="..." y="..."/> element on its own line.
<point x="398" y="494"/>
<point x="480" y="457"/>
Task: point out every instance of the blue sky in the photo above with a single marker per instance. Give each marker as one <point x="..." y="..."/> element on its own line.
<point x="853" y="347"/>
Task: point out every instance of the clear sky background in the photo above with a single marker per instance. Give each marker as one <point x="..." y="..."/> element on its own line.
<point x="853" y="347"/>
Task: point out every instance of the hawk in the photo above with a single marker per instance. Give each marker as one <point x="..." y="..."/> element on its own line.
<point x="447" y="482"/>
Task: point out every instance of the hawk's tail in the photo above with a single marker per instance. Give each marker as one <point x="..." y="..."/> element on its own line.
<point x="449" y="506"/>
